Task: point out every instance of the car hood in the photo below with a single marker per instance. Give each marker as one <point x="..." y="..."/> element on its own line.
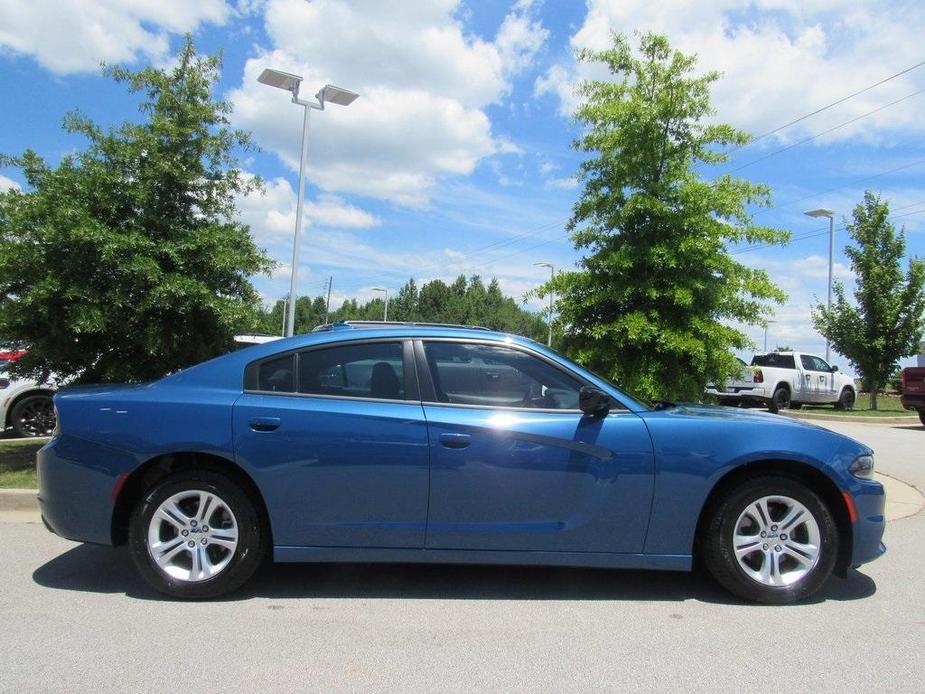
<point x="734" y="413"/>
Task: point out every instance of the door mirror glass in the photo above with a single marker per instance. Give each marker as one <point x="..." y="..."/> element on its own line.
<point x="593" y="401"/>
<point x="834" y="369"/>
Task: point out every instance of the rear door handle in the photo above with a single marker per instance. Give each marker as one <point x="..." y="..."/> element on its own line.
<point x="450" y="440"/>
<point x="264" y="423"/>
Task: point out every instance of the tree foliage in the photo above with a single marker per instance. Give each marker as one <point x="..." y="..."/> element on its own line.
<point x="464" y="302"/>
<point x="654" y="301"/>
<point x="124" y="262"/>
<point x="887" y="320"/>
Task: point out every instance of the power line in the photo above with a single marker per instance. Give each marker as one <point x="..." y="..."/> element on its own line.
<point x="833" y="104"/>
<point x="824" y="132"/>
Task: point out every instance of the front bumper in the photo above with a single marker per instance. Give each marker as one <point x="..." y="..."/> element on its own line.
<point x="870" y="502"/>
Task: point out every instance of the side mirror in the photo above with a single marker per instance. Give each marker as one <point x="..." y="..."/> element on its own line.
<point x="834" y="369"/>
<point x="593" y="401"/>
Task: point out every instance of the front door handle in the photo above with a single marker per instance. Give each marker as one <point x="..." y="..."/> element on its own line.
<point x="264" y="423"/>
<point x="450" y="440"/>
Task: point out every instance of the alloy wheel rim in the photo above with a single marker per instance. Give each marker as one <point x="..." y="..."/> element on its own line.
<point x="776" y="541"/>
<point x="192" y="536"/>
<point x="38" y="418"/>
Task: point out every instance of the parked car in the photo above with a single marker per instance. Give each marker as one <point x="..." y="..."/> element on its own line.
<point x="794" y="379"/>
<point x="730" y="393"/>
<point x="406" y="443"/>
<point x="913" y="390"/>
<point x="25" y="406"/>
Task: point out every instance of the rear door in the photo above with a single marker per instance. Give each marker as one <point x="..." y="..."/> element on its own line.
<point x="515" y="465"/>
<point x="337" y="439"/>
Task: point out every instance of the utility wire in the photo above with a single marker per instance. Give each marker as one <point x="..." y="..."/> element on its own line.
<point x="832" y="105"/>
<point x="820" y="134"/>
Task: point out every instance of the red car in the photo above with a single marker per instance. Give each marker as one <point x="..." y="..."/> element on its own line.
<point x="913" y="390"/>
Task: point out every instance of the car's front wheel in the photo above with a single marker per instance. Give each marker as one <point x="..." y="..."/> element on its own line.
<point x="770" y="539"/>
<point x="196" y="534"/>
<point x="845" y="400"/>
<point x="922" y="416"/>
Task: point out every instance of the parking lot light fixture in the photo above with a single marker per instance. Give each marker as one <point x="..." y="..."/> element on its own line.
<point x="329" y="93"/>
<point x="385" y="316"/>
<point x="822" y="212"/>
<point x="552" y="274"/>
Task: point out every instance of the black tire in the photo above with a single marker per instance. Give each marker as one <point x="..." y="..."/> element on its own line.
<point x="922" y="416"/>
<point x="845" y="400"/>
<point x="796" y="405"/>
<point x="252" y="542"/>
<point x="33" y="415"/>
<point x="780" y="400"/>
<point x="719" y="553"/>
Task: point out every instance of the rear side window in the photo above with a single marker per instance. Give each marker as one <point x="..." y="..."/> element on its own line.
<point x="495" y="376"/>
<point x="373" y="370"/>
<point x="277" y="375"/>
<point x="774" y="360"/>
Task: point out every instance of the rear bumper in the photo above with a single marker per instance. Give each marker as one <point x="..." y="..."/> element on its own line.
<point x="912" y="401"/>
<point x="76" y="498"/>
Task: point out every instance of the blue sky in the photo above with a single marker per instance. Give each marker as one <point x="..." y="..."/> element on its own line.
<point x="456" y="157"/>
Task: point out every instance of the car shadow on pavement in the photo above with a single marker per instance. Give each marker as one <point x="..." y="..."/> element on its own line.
<point x="96" y="569"/>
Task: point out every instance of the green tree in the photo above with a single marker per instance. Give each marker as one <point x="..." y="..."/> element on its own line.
<point x="654" y="302"/>
<point x="124" y="262"/>
<point x="888" y="318"/>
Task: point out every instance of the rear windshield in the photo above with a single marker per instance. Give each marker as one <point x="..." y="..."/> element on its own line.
<point x="780" y="361"/>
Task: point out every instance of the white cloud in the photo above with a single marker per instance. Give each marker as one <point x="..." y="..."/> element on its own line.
<point x="424" y="84"/>
<point x="271" y="215"/>
<point x="780" y="59"/>
<point x="8" y="184"/>
<point x="75" y="35"/>
<point x="567" y="183"/>
<point x="547" y="167"/>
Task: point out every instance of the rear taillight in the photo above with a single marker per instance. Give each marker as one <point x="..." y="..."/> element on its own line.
<point x="759" y="377"/>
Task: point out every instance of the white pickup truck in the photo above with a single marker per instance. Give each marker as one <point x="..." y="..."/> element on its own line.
<point x="779" y="380"/>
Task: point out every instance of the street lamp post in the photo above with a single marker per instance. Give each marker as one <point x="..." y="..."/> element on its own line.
<point x="766" y="323"/>
<point x="552" y="274"/>
<point x="328" y="93"/>
<point x="822" y="212"/>
<point x="385" y="315"/>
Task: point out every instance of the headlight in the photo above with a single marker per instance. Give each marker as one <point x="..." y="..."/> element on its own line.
<point x="862" y="467"/>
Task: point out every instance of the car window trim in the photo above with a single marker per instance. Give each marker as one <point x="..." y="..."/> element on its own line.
<point x="429" y="392"/>
<point x="409" y="370"/>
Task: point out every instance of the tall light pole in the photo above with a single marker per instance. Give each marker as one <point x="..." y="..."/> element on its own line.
<point x="552" y="274"/>
<point x="822" y="212"/>
<point x="385" y="316"/>
<point x="328" y="93"/>
<point x="766" y="323"/>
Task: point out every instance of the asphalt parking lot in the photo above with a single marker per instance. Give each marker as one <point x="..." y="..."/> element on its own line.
<point x="76" y="618"/>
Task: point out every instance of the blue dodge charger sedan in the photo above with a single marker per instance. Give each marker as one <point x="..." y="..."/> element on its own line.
<point x="426" y="443"/>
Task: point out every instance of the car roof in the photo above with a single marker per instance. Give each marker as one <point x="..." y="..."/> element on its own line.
<point x="220" y="369"/>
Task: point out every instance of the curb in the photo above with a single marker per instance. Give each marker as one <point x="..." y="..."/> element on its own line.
<point x="899" y="419"/>
<point x="19" y="500"/>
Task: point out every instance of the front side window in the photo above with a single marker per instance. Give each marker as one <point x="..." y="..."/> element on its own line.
<point x="496" y="376"/>
<point x="373" y="370"/>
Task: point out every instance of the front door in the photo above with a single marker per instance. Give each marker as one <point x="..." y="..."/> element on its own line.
<point x="515" y="465"/>
<point x="339" y="438"/>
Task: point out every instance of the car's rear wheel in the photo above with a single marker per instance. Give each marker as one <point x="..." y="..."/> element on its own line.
<point x="922" y="416"/>
<point x="780" y="400"/>
<point x="34" y="415"/>
<point x="196" y="534"/>
<point x="845" y="400"/>
<point x="771" y="539"/>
